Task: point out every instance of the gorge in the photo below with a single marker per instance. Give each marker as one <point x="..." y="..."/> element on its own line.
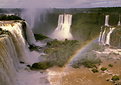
<point x="73" y="50"/>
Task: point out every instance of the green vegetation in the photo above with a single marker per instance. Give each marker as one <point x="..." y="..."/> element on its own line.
<point x="86" y="26"/>
<point x="9" y="17"/>
<point x="115" y="78"/>
<point x="115" y="38"/>
<point x="97" y="47"/>
<point x="59" y="52"/>
<point x="34" y="48"/>
<point x="40" y="37"/>
<point x="88" y="63"/>
<point x="110" y="65"/>
<point x="86" y="23"/>
<point x="76" y="65"/>
<point x="118" y="83"/>
<point x="90" y="10"/>
<point x="103" y="69"/>
<point x="41" y="65"/>
<point x="94" y="70"/>
<point x="88" y="60"/>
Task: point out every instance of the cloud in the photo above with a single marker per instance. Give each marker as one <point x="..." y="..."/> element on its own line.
<point x="58" y="3"/>
<point x="105" y="3"/>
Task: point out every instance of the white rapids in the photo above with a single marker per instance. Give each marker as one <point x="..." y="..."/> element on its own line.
<point x="62" y="31"/>
<point x="13" y="49"/>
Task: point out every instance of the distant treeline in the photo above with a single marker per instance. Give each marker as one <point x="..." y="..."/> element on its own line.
<point x="89" y="10"/>
<point x="68" y="10"/>
<point x="9" y="17"/>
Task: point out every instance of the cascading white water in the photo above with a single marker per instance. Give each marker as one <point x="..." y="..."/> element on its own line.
<point x="29" y="15"/>
<point x="104" y="37"/>
<point x="17" y="36"/>
<point x="106" y="20"/>
<point x="100" y="36"/>
<point x="30" y="35"/>
<point x="13" y="49"/>
<point x="9" y="63"/>
<point x="108" y="36"/>
<point x="119" y="23"/>
<point x="62" y="31"/>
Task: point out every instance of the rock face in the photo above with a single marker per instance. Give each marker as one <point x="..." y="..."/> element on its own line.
<point x="115" y="40"/>
<point x="105" y="35"/>
<point x="110" y="35"/>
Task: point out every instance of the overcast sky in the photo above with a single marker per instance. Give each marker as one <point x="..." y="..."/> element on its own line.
<point x="58" y="3"/>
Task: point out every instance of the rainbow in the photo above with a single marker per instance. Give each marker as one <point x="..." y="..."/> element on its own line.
<point x="75" y="56"/>
<point x="81" y="50"/>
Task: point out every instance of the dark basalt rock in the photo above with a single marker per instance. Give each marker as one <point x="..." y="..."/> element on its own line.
<point x="4" y="32"/>
<point x="21" y="62"/>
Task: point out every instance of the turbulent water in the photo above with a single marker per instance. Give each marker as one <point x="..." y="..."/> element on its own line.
<point x="105" y="34"/>
<point x="63" y="29"/>
<point x="110" y="35"/>
<point x="18" y="39"/>
<point x="30" y="35"/>
<point x="8" y="61"/>
<point x="106" y="20"/>
<point x="13" y="49"/>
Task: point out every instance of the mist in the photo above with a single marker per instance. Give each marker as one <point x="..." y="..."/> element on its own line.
<point x="34" y="16"/>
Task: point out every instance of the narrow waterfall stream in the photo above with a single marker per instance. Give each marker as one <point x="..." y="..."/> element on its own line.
<point x="108" y="36"/>
<point x="106" y="20"/>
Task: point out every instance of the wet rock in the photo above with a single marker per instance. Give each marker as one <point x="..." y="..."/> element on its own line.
<point x="22" y="62"/>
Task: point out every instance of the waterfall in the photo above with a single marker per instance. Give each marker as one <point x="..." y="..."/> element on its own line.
<point x="8" y="61"/>
<point x="119" y="23"/>
<point x="108" y="36"/>
<point x="104" y="37"/>
<point x="13" y="49"/>
<point x="100" y="36"/>
<point x="16" y="31"/>
<point x="30" y="36"/>
<point x="17" y="36"/>
<point x="106" y="20"/>
<point x="62" y="31"/>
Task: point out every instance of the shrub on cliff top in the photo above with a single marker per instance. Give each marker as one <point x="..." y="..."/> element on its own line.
<point x="9" y="17"/>
<point x="41" y="65"/>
